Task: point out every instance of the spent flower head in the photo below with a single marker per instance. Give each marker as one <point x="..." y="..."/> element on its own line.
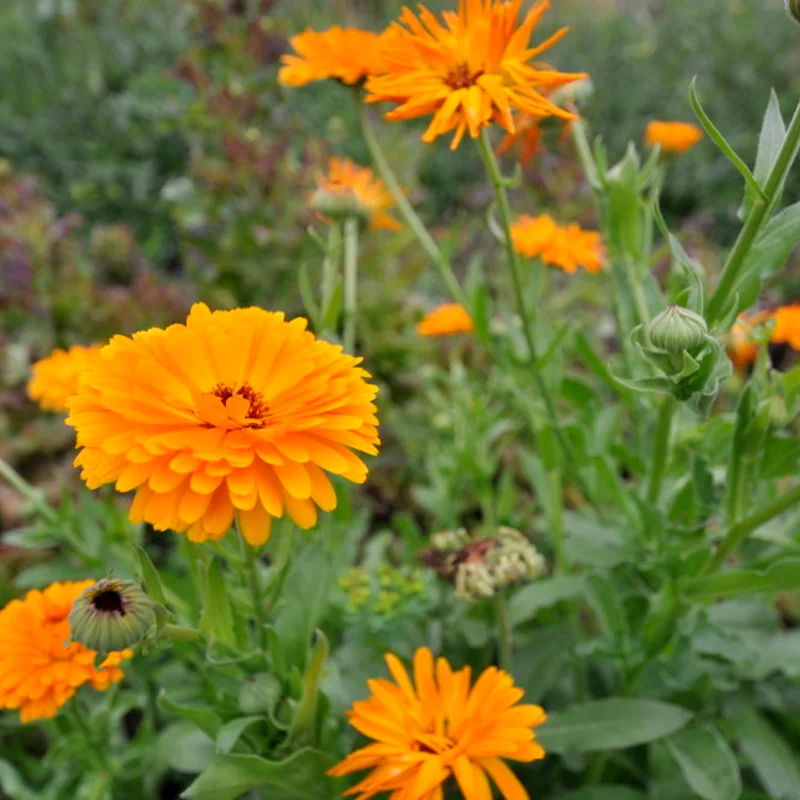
<point x="111" y="615"/>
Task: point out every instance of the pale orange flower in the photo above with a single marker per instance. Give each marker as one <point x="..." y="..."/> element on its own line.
<point x="674" y="137"/>
<point x="445" y="320"/>
<point x="469" y="70"/>
<point x="39" y="673"/>
<point x="528" y="136"/>
<point x="567" y="247"/>
<point x="55" y="378"/>
<point x="440" y="729"/>
<point x="236" y="414"/>
<point x="351" y="190"/>
<point x="346" y="54"/>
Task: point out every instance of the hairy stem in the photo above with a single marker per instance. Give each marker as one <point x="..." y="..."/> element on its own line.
<point x="660" y="448"/>
<point x="350" y="284"/>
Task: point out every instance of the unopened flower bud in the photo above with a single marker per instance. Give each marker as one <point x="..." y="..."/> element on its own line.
<point x="677" y="329"/>
<point x="111" y="615"/>
<point x="338" y="204"/>
<point x="793" y="9"/>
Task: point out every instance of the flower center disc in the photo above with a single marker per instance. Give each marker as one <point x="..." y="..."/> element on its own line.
<point x="109" y="602"/>
<point x="462" y="77"/>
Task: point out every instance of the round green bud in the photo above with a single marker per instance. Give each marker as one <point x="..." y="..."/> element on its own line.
<point x="793" y="9"/>
<point x="111" y="615"/>
<point x="677" y="329"/>
<point x="339" y="204"/>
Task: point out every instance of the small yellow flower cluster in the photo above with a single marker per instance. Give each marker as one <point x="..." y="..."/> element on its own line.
<point x="386" y="592"/>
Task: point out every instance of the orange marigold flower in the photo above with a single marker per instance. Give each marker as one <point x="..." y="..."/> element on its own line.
<point x="234" y="414"/>
<point x="39" y="673"/>
<point x="347" y="54"/>
<point x="674" y="137"/>
<point x="438" y="728"/>
<point x="351" y="190"/>
<point x="55" y="378"/>
<point x="445" y="320"/>
<point x="787" y="326"/>
<point x="567" y="247"/>
<point x="742" y="349"/>
<point x="470" y="70"/>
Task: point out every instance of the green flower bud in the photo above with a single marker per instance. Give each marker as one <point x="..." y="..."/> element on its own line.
<point x="677" y="329"/>
<point x="111" y="615"/>
<point x="339" y="204"/>
<point x="793" y="9"/>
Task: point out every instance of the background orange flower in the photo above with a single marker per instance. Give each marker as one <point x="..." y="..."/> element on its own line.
<point x="445" y="320"/>
<point x="674" y="137"/>
<point x="55" y="378"/>
<point x="567" y="247"/>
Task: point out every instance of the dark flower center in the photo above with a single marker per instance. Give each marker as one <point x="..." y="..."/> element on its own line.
<point x="109" y="602"/>
<point x="258" y="408"/>
<point x="462" y="77"/>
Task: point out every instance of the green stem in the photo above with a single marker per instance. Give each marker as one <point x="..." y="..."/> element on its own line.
<point x="74" y="713"/>
<point x="180" y="633"/>
<point x="504" y="632"/>
<point x="741" y="530"/>
<point x="406" y="209"/>
<point x="759" y="212"/>
<point x="31" y="493"/>
<point x="330" y="271"/>
<point x="256" y="592"/>
<point x="660" y="448"/>
<point x="350" y="284"/>
<point x="504" y="207"/>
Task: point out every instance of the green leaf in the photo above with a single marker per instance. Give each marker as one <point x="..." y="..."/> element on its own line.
<point x="230" y="732"/>
<point x="607" y="605"/>
<point x="769" y="253"/>
<point x="707" y="762"/>
<point x="773" y="132"/>
<point x="770" y="756"/>
<point x="611" y="724"/>
<point x="203" y="717"/>
<point x="604" y="793"/>
<point x="782" y="576"/>
<point x="150" y="577"/>
<point x="304" y="725"/>
<point x="307" y="296"/>
<point x="299" y="777"/>
<point x="185" y="748"/>
<point x="216" y="620"/>
<point x="780" y="654"/>
<point x="721" y="143"/>
<point x="526" y="602"/>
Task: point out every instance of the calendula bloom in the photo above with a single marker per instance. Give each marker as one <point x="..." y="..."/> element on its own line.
<point x="742" y="349"/>
<point x="674" y="137"/>
<point x="349" y="190"/>
<point x="347" y="54"/>
<point x="55" y="378"/>
<point x="438" y="729"/>
<point x="787" y="326"/>
<point x="469" y="70"/>
<point x="236" y="414"/>
<point x="527" y="135"/>
<point x="39" y="673"/>
<point x="445" y="320"/>
<point x="567" y="247"/>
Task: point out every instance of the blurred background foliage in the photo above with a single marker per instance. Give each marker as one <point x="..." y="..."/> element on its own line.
<point x="148" y="158"/>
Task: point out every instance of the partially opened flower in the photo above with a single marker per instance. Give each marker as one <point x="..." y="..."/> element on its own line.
<point x="349" y="190"/>
<point x="567" y="247"/>
<point x="55" y="378"/>
<point x="439" y="730"/>
<point x="445" y="320"/>
<point x="674" y="137"/>
<point x="469" y="70"/>
<point x="346" y="54"/>
<point x="39" y="673"/>
<point x="236" y="414"/>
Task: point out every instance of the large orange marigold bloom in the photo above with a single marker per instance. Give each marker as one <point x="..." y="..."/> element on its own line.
<point x="469" y="71"/>
<point x="439" y="728"/>
<point x="234" y="414"/>
<point x="674" y="137"/>
<point x="350" y="188"/>
<point x="347" y="54"/>
<point x="445" y="320"/>
<point x="55" y="378"/>
<point x="38" y="672"/>
<point x="567" y="247"/>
